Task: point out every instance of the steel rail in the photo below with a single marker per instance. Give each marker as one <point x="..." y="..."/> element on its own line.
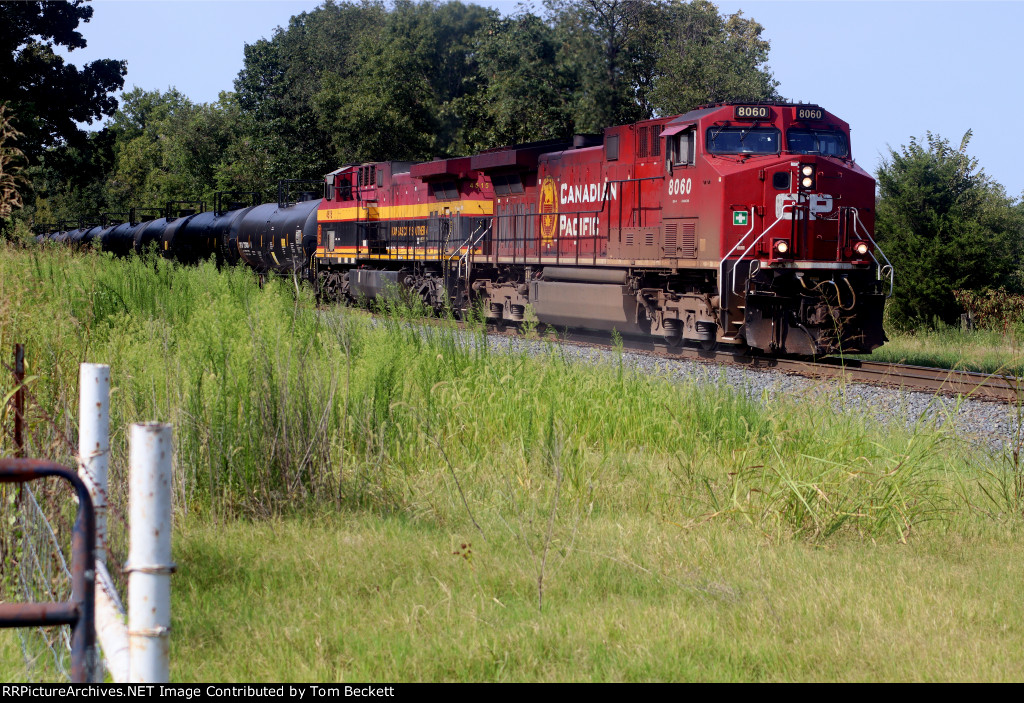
<point x="953" y="382"/>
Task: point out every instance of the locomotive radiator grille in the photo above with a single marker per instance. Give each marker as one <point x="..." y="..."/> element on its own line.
<point x="688" y="246"/>
<point x="680" y="240"/>
<point x="648" y="142"/>
<point x="671" y="237"/>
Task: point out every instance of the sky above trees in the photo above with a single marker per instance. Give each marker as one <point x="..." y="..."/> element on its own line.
<point x="891" y="69"/>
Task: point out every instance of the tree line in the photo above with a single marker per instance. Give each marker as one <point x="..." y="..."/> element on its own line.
<point x="361" y="80"/>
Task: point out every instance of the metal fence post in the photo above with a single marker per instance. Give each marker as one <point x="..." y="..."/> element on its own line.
<point x="94" y="443"/>
<point x="149" y="560"/>
<point x="94" y="456"/>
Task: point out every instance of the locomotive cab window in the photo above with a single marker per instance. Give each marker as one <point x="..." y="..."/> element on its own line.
<point x="345" y="188"/>
<point x="682" y="147"/>
<point x="817" y="141"/>
<point x="446" y="190"/>
<point x="743" y="140"/>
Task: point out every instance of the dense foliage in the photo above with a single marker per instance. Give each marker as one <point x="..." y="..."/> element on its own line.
<point x="946" y="226"/>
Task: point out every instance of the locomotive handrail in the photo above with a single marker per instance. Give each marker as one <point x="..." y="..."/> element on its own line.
<point x="888" y="264"/>
<point x="747" y="251"/>
<point x="471" y="241"/>
<point x="604" y="204"/>
<point x="752" y="212"/>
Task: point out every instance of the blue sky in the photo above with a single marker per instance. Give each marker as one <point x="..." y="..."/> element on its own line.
<point x="891" y="69"/>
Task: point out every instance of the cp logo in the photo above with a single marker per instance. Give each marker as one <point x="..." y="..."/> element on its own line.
<point x="817" y="204"/>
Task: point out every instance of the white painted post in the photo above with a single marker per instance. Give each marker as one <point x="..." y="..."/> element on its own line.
<point x="149" y="564"/>
<point x="93" y="453"/>
<point x="94" y="443"/>
<point x="93" y="456"/>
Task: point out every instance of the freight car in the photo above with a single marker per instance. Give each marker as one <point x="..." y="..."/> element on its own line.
<point x="743" y="224"/>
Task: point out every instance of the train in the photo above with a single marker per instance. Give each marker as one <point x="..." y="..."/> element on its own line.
<point x="743" y="224"/>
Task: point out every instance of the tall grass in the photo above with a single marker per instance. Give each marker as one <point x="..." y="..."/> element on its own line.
<point x="278" y="405"/>
<point x="501" y="515"/>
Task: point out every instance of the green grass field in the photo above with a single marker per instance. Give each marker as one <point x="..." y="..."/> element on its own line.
<point x="393" y="501"/>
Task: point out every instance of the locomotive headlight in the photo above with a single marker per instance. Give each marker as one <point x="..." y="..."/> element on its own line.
<point x="807" y="172"/>
<point x="861" y="248"/>
<point x="781" y="247"/>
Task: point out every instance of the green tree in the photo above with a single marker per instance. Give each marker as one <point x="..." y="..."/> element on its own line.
<point x="634" y="59"/>
<point x="945" y="226"/>
<point x="70" y="183"/>
<point x="596" y="39"/>
<point x="518" y="94"/>
<point x="167" y="148"/>
<point x="397" y="98"/>
<point x="704" y="57"/>
<point x="373" y="117"/>
<point x="282" y="75"/>
<point x="49" y="96"/>
<point x="139" y="175"/>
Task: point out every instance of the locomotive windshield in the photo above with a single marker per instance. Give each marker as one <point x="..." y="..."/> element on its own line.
<point x="743" y="140"/>
<point x="815" y="141"/>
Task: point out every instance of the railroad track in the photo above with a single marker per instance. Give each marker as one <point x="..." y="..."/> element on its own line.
<point x="969" y="384"/>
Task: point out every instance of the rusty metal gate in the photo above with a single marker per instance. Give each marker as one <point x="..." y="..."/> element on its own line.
<point x="77" y="612"/>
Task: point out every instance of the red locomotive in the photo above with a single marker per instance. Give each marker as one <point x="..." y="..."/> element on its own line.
<point x="732" y="223"/>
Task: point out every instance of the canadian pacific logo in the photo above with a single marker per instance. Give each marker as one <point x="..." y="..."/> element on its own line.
<point x="548" y="210"/>
<point x="817" y="204"/>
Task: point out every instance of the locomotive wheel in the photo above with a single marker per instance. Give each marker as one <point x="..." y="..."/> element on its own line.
<point x="709" y="345"/>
